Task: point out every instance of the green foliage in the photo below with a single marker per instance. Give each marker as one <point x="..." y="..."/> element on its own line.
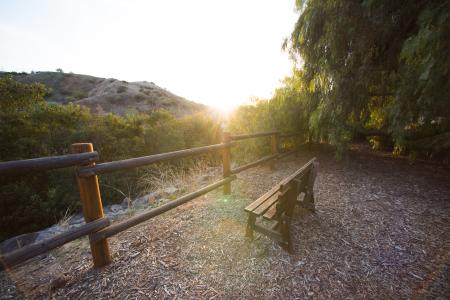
<point x="18" y="96"/>
<point x="380" y="65"/>
<point x="424" y="89"/>
<point x="362" y="68"/>
<point x="30" y="127"/>
<point x="286" y="112"/>
<point x="32" y="202"/>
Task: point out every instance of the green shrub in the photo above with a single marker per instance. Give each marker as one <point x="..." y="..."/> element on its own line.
<point x="35" y="129"/>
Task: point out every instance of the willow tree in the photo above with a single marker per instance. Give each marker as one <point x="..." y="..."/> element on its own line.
<point x="376" y="68"/>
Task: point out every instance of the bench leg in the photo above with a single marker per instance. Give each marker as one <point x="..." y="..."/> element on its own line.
<point x="285" y="234"/>
<point x="250" y="226"/>
<point x="308" y="201"/>
<point x="309" y="197"/>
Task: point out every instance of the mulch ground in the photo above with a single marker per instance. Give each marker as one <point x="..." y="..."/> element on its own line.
<point x="381" y="230"/>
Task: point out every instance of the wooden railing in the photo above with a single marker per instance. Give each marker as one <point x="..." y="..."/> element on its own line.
<point x="99" y="228"/>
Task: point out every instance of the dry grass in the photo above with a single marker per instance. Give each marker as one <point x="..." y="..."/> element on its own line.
<point x="160" y="176"/>
<point x="65" y="219"/>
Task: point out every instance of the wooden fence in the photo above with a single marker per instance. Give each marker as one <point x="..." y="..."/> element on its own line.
<point x="99" y="228"/>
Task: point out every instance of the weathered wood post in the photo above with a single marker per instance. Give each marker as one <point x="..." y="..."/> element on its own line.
<point x="226" y="162"/>
<point x="274" y="147"/>
<point x="91" y="203"/>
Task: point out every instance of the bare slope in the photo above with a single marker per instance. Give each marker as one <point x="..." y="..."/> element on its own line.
<point x="105" y="95"/>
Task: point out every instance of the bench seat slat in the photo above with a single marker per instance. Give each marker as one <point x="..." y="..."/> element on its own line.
<point x="251" y="207"/>
<point x="266" y="204"/>
<point x="270" y="214"/>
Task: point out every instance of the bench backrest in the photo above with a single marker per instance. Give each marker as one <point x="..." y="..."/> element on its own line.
<point x="285" y="193"/>
<point x="289" y="188"/>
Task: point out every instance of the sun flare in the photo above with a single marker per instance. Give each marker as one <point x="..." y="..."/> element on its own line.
<point x="225" y="107"/>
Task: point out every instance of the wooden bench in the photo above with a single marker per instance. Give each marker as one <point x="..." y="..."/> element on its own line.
<point x="277" y="205"/>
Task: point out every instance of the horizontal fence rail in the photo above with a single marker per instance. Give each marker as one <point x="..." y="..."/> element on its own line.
<point x="131" y="163"/>
<point x="16" y="257"/>
<point x="99" y="228"/>
<point x="133" y="221"/>
<point x="41" y="164"/>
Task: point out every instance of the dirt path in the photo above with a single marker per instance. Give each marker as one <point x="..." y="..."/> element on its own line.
<point x="381" y="230"/>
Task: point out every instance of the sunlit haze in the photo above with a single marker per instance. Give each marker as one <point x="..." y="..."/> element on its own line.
<point x="220" y="53"/>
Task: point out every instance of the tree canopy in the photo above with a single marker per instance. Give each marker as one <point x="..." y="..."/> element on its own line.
<point x="373" y="68"/>
<point x="16" y="95"/>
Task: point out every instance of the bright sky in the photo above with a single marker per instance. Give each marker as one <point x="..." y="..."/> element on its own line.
<point x="219" y="53"/>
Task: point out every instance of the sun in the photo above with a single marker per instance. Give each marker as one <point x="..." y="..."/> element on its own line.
<point x="225" y="107"/>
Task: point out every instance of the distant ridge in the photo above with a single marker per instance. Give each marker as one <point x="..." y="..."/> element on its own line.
<point x="108" y="95"/>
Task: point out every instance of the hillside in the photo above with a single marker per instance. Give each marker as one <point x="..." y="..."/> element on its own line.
<point x="105" y="95"/>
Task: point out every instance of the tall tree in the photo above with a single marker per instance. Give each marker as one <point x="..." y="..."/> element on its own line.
<point x="376" y="67"/>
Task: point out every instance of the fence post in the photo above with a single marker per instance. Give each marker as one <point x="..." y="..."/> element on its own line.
<point x="91" y="203"/>
<point x="226" y="162"/>
<point x="274" y="147"/>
